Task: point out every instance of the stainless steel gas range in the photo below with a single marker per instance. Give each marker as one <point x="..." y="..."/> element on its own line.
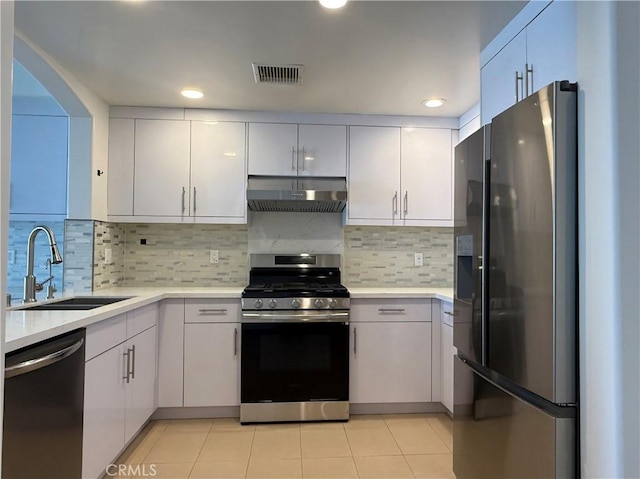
<point x="295" y="340"/>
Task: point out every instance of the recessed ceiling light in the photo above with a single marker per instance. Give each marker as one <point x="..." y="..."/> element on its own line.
<point x="192" y="93"/>
<point x="433" y="102"/>
<point x="333" y="3"/>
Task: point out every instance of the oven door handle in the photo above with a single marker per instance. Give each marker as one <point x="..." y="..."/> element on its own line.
<point x="299" y="317"/>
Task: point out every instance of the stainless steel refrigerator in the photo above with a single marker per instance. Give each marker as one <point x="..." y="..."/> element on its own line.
<point x="515" y="323"/>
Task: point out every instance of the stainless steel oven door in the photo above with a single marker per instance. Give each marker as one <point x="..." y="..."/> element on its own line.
<point x="295" y="316"/>
<point x="299" y="363"/>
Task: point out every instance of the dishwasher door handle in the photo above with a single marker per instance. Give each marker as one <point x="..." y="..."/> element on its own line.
<point x="39" y="363"/>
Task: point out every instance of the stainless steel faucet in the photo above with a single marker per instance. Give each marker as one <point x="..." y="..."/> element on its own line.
<point x="30" y="284"/>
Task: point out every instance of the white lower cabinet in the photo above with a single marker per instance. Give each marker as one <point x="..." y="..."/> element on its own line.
<point x="390" y="352"/>
<point x="212" y="352"/>
<point x="104" y="405"/>
<point x="211" y="364"/>
<point x="447" y="366"/>
<point x="170" y="353"/>
<point x="448" y="352"/>
<point x="120" y="388"/>
<point x="141" y="399"/>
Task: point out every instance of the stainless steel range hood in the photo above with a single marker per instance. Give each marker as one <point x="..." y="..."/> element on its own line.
<point x="297" y="194"/>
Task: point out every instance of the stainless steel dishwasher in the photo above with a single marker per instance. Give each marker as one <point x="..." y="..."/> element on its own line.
<point x="43" y="407"/>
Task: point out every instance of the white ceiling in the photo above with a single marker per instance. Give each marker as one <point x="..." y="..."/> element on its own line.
<point x="372" y="57"/>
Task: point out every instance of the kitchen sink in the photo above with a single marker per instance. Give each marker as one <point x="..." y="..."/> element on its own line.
<point x="77" y="304"/>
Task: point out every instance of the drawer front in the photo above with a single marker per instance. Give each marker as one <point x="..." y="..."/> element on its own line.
<point x="446" y="309"/>
<point x="212" y="311"/>
<point x="397" y="309"/>
<point x="141" y="319"/>
<point x="105" y="335"/>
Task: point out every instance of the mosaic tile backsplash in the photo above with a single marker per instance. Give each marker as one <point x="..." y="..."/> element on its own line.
<point x="379" y="256"/>
<point x="78" y="242"/>
<point x="17" y="247"/>
<point x="178" y="254"/>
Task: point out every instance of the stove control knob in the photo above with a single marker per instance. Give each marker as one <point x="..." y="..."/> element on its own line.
<point x="295" y="303"/>
<point x="319" y="303"/>
<point x="333" y="303"/>
<point x="258" y="303"/>
<point x="273" y="303"/>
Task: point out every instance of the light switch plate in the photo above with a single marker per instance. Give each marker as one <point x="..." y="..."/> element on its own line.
<point x="12" y="256"/>
<point x="108" y="256"/>
<point x="418" y="260"/>
<point x="214" y="256"/>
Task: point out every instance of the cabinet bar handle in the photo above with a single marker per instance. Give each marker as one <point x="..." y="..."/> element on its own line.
<point x="406" y="202"/>
<point x="355" y="340"/>
<point x="235" y="341"/>
<point x="183" y="193"/>
<point x="395" y="203"/>
<point x="213" y="311"/>
<point x="528" y="70"/>
<point x="518" y="79"/>
<point x="293" y="158"/>
<point x="128" y="356"/>
<point x="194" y="200"/>
<point x="303" y="156"/>
<point x="133" y="362"/>
<point x="391" y="310"/>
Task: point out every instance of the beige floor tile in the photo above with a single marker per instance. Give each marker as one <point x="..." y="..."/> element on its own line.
<point x="418" y="439"/>
<point x="165" y="470"/>
<point x="432" y="466"/>
<point x="372" y="442"/>
<point x="142" y="444"/>
<point x="174" y="447"/>
<point x="189" y="425"/>
<point x="260" y="468"/>
<point x="365" y="421"/>
<point x="322" y="425"/>
<point x="232" y="445"/>
<point x="383" y="467"/>
<point x="404" y="420"/>
<point x="329" y="468"/>
<point x="442" y="424"/>
<point x="219" y="470"/>
<point x="230" y="424"/>
<point x="324" y="443"/>
<point x="276" y="443"/>
<point x="284" y="426"/>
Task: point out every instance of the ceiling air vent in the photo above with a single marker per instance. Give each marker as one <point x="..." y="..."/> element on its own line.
<point x="278" y="74"/>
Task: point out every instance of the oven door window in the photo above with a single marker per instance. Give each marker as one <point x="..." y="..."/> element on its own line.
<point x="292" y="362"/>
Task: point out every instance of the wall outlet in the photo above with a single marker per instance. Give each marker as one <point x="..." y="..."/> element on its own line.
<point x="12" y="256"/>
<point x="418" y="260"/>
<point x="214" y="256"/>
<point x="108" y="256"/>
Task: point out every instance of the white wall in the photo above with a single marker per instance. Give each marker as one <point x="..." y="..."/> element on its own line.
<point x="88" y="130"/>
<point x="469" y="122"/>
<point x="609" y="179"/>
<point x="6" y="66"/>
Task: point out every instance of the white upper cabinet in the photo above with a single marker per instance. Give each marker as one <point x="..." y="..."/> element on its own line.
<point x="400" y="176"/>
<point x="426" y="174"/>
<point x="502" y="81"/>
<point x="322" y="150"/>
<point x="177" y="171"/>
<point x="272" y="149"/>
<point x="543" y="52"/>
<point x="287" y="149"/>
<point x="161" y="185"/>
<point x="374" y="173"/>
<point x="552" y="45"/>
<point x="218" y="173"/>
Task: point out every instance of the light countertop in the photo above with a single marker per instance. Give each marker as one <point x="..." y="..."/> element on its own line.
<point x="24" y="327"/>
